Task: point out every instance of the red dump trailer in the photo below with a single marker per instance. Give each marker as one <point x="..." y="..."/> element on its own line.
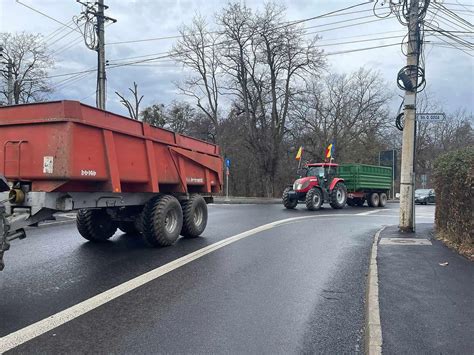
<point x="117" y="172"/>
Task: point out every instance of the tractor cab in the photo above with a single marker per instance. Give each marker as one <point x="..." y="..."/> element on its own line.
<point x="324" y="171"/>
<point x="317" y="183"/>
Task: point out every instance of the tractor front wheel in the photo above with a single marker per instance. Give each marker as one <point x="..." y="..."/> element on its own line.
<point x="338" y="196"/>
<point x="314" y="199"/>
<point x="287" y="202"/>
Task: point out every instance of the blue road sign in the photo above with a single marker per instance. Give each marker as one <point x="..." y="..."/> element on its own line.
<point x="227" y="163"/>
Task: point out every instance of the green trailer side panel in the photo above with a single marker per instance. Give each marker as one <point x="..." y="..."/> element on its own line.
<point x="362" y="177"/>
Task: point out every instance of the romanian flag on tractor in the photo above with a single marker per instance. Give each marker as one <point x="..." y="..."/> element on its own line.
<point x="299" y="154"/>
<point x="330" y="150"/>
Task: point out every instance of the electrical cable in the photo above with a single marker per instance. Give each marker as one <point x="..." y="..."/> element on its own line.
<point x="291" y="23"/>
<point x="45" y="15"/>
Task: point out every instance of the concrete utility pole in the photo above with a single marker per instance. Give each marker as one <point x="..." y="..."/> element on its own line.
<point x="101" y="76"/>
<point x="10" y="82"/>
<point x="407" y="175"/>
<point x="95" y="17"/>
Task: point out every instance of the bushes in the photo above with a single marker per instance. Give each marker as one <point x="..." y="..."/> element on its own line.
<point x="454" y="184"/>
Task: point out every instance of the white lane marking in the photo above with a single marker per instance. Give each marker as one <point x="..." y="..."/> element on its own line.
<point x="34" y="330"/>
<point x="368" y="212"/>
<point x="373" y="325"/>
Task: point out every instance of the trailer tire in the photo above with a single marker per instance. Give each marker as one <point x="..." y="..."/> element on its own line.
<point x="161" y="221"/>
<point x="373" y="200"/>
<point x="314" y="199"/>
<point x="382" y="199"/>
<point x="338" y="196"/>
<point x="95" y="224"/>
<point x="194" y="216"/>
<point x="128" y="227"/>
<point x="287" y="202"/>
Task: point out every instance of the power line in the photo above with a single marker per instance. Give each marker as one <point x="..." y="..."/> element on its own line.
<point x="454" y="17"/>
<point x="363" y="49"/>
<point x="46" y="15"/>
<point x="291" y="23"/>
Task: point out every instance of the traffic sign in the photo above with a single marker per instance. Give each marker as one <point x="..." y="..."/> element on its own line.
<point x="227" y="163"/>
<point x="430" y="117"/>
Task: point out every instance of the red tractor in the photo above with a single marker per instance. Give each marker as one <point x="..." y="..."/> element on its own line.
<point x="318" y="183"/>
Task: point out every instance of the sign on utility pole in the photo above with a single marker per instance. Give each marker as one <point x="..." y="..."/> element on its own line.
<point x="430" y="117"/>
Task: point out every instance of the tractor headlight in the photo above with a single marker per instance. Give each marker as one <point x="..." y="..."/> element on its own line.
<point x="300" y="186"/>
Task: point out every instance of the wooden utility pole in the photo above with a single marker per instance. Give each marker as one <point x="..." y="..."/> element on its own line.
<point x="407" y="178"/>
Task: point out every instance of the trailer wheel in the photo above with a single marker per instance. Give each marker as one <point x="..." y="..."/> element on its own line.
<point x="161" y="221"/>
<point x="314" y="199"/>
<point x="373" y="200"/>
<point x="128" y="227"/>
<point x="338" y="196"/>
<point x="194" y="216"/>
<point x="95" y="224"/>
<point x="382" y="199"/>
<point x="287" y="202"/>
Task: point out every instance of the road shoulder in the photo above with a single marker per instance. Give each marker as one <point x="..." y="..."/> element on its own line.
<point x="426" y="294"/>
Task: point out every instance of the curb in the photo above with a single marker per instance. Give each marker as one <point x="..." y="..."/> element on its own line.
<point x="373" y="327"/>
<point x="247" y="200"/>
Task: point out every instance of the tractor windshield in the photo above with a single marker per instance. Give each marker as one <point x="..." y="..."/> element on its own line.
<point x="315" y="171"/>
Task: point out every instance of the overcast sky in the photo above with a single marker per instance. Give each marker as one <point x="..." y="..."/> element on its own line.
<point x="449" y="72"/>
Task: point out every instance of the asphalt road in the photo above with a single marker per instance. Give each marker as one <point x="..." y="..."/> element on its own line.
<point x="294" y="287"/>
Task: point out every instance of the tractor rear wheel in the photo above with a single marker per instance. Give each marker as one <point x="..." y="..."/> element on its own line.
<point x="95" y="225"/>
<point x="383" y="199"/>
<point x="161" y="221"/>
<point x="374" y="199"/>
<point x="338" y="196"/>
<point x="194" y="216"/>
<point x="287" y="202"/>
<point x="314" y="199"/>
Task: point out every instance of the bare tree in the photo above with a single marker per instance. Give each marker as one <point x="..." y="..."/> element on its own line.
<point x="133" y="106"/>
<point x="350" y="109"/>
<point x="266" y="63"/>
<point x="197" y="51"/>
<point x="30" y="61"/>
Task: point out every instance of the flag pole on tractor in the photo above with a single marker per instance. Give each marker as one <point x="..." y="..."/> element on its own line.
<point x="329" y="154"/>
<point x="299" y="155"/>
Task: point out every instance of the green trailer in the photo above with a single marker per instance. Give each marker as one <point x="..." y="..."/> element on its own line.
<point x="366" y="183"/>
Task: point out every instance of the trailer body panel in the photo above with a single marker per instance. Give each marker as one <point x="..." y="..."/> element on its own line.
<point x="66" y="146"/>
<point x="363" y="177"/>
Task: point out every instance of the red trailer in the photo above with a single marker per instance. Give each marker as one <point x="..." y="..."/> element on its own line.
<point x="118" y="172"/>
